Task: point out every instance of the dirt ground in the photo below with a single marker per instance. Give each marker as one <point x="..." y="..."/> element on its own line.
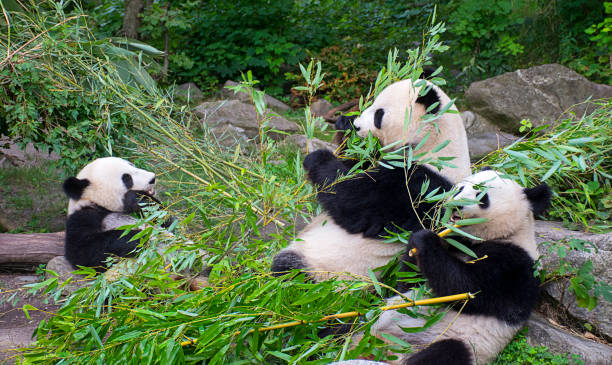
<point x="16" y="328"/>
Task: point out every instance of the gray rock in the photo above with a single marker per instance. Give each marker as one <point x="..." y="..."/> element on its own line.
<point x="245" y="98"/>
<point x="482" y="144"/>
<point x="241" y="115"/>
<point x="229" y="135"/>
<point x="601" y="315"/>
<point x="483" y="136"/>
<point x="12" y="155"/>
<point x="542" y="333"/>
<point x="189" y="92"/>
<point x="64" y="270"/>
<point x="321" y="107"/>
<point x="541" y="94"/>
<point x="313" y="145"/>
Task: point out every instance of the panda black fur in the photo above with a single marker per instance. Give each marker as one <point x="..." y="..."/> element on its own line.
<point x="358" y="210"/>
<point x="506" y="290"/>
<point x="102" y="197"/>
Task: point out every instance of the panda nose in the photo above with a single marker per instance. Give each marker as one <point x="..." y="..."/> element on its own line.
<point x="152" y="181"/>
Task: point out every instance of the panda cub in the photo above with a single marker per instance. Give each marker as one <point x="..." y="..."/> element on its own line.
<point x="502" y="278"/>
<point x="359" y="210"/>
<point x="102" y="197"/>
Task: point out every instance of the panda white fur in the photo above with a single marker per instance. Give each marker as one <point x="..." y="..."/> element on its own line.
<point x="385" y="120"/>
<point x="361" y="209"/>
<point x="506" y="290"/>
<point x="102" y="197"/>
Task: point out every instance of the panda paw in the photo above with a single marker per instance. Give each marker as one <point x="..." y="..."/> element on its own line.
<point x="318" y="158"/>
<point x="422" y="240"/>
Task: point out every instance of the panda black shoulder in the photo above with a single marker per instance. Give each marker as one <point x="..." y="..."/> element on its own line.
<point x="430" y="98"/>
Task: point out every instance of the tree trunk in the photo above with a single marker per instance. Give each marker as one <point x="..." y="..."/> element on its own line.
<point x="32" y="248"/>
<point x="131" y="18"/>
<point x="166" y="46"/>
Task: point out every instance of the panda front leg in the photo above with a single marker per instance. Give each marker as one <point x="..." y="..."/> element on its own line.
<point x="323" y="167"/>
<point x="449" y="352"/>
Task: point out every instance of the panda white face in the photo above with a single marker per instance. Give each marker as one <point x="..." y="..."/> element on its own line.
<point x="393" y="116"/>
<point x="110" y="182"/>
<point x="507" y="206"/>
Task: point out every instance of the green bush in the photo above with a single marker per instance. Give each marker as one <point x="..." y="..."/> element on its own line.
<point x="575" y="158"/>
<point x="520" y="352"/>
<point x="53" y="89"/>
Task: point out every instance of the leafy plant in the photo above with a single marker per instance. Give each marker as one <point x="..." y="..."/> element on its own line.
<point x="314" y="79"/>
<point x="575" y="159"/>
<point x="583" y="284"/>
<point x="50" y="95"/>
<point x="520" y="352"/>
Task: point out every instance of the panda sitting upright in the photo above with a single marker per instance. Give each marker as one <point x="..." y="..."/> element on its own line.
<point x="102" y="197"/>
<point x="501" y="278"/>
<point x="359" y="210"/>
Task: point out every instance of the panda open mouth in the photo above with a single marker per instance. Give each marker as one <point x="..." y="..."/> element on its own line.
<point x="456" y="216"/>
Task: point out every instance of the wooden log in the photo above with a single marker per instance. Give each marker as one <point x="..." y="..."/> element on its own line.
<point x="32" y="248"/>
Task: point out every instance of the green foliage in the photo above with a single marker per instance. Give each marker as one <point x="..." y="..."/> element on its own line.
<point x="520" y="352"/>
<point x="575" y="159"/>
<point x="352" y="38"/>
<point x="484" y="35"/>
<point x="217" y="42"/>
<point x="209" y="43"/>
<point x="582" y="282"/>
<point x="578" y="47"/>
<point x="52" y="93"/>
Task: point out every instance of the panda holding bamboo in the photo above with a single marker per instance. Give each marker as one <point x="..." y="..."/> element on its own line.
<point x="501" y="277"/>
<point x="103" y="195"/>
<point x="345" y="240"/>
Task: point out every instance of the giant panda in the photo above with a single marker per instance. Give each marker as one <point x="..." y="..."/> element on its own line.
<point x="346" y="238"/>
<point x="102" y="197"/>
<point x="502" y="278"/>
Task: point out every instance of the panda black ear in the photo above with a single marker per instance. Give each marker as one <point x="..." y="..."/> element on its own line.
<point x="486" y="168"/>
<point x="74" y="187"/>
<point x="344" y="122"/>
<point x="539" y="198"/>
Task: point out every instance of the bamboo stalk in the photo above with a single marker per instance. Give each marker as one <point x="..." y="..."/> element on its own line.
<point x="430" y="301"/>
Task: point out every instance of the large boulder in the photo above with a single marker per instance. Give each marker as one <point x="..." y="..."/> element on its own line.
<point x="64" y="271"/>
<point x="601" y="257"/>
<point x="311" y="145"/>
<point x="321" y="107"/>
<point x="246" y="98"/>
<point x="189" y="92"/>
<point x="483" y="136"/>
<point x="241" y="115"/>
<point x="541" y="94"/>
<point x="542" y="333"/>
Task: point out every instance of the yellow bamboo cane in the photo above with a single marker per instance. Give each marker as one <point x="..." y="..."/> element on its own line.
<point x="430" y="301"/>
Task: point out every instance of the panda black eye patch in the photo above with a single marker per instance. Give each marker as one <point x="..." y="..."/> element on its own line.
<point x="378" y="115"/>
<point x="127" y="181"/>
<point x="484" y="201"/>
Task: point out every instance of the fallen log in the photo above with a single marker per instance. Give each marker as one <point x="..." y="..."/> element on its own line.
<point x="31" y="248"/>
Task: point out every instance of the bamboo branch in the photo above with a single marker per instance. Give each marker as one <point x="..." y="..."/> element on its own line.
<point x="430" y="301"/>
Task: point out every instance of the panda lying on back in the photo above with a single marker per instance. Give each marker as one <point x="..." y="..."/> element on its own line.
<point x="360" y="209"/>
<point x="506" y="290"/>
<point x="102" y="197"/>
